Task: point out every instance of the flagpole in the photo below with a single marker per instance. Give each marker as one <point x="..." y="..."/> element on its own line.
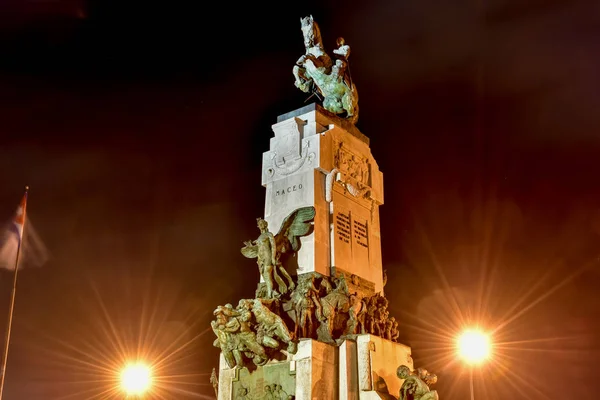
<point x="12" y="303"/>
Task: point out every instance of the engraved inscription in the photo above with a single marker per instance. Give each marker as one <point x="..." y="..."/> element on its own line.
<point x="361" y="235"/>
<point x="289" y="189"/>
<point x="343" y="227"/>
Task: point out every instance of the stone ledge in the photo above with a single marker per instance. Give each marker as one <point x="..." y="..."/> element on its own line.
<point x="334" y="119"/>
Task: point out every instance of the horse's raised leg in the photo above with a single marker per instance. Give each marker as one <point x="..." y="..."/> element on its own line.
<point x="296" y="72"/>
<point x="301" y="81"/>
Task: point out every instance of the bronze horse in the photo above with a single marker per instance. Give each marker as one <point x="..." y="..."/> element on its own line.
<point x="316" y="72"/>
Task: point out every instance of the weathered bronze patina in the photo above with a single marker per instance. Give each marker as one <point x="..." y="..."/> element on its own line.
<point x="268" y="248"/>
<point x="416" y="384"/>
<point x="316" y="72"/>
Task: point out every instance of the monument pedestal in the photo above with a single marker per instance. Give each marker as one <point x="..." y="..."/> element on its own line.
<point x="318" y="159"/>
<point x="323" y="191"/>
<point x="378" y="360"/>
<point x="316" y="370"/>
<point x="360" y="368"/>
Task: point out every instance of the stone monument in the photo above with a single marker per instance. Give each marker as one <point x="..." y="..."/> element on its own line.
<point x="319" y="326"/>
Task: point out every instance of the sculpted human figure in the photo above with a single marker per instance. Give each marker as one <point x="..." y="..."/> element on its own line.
<point x="325" y="285"/>
<point x="340" y="159"/>
<point x="414" y="388"/>
<point x="340" y="67"/>
<point x="261" y="337"/>
<point x="306" y="306"/>
<point x="395" y="332"/>
<point x="235" y="336"/>
<point x="358" y="169"/>
<point x="428" y="378"/>
<point x="371" y="310"/>
<point x="247" y="336"/>
<point x="266" y="254"/>
<point x="382" y="324"/>
<point x="272" y="324"/>
<point x="388" y="328"/>
<point x="268" y="260"/>
<point x="226" y="340"/>
<point x="336" y="301"/>
<point x="268" y="248"/>
<point x="362" y="316"/>
<point x="343" y="50"/>
<point x="341" y="285"/>
<point x="354" y="167"/>
<point x="316" y="72"/>
<point x="354" y="311"/>
<point x="242" y="393"/>
<point x="268" y="393"/>
<point x="279" y="393"/>
<point x="381" y="315"/>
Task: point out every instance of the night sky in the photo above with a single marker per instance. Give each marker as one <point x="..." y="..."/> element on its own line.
<point x="140" y="129"/>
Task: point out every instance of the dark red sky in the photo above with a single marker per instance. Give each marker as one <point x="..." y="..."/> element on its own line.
<point x="140" y="130"/>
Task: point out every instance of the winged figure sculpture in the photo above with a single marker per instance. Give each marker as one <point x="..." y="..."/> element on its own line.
<point x="269" y="248"/>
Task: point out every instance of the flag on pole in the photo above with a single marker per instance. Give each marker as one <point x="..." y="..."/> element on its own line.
<point x="12" y="237"/>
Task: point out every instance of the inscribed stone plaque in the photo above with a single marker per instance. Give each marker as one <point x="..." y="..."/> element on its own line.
<point x="287" y="194"/>
<point x="264" y="382"/>
<point x="343" y="227"/>
<point x="360" y="240"/>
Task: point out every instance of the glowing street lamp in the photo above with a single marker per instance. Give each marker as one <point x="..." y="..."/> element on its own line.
<point x="136" y="379"/>
<point x="474" y="348"/>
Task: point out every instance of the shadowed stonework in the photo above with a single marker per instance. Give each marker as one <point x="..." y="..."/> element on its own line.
<point x="319" y="325"/>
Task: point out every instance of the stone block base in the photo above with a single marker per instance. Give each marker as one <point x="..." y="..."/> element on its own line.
<point x="360" y="368"/>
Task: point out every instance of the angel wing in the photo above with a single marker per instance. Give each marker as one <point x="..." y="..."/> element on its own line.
<point x="295" y="225"/>
<point x="250" y="251"/>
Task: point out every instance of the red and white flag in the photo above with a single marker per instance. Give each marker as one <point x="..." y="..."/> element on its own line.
<point x="13" y="237"/>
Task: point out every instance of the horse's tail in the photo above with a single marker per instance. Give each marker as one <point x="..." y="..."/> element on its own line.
<point x="354" y="117"/>
<point x="352" y="103"/>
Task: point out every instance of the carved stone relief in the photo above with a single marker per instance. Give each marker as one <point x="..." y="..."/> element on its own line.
<point x="354" y="171"/>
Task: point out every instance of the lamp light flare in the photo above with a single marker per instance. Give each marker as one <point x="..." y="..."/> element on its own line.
<point x="136" y="379"/>
<point x="474" y="346"/>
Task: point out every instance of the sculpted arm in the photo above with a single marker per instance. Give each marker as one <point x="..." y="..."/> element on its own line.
<point x="409" y="387"/>
<point x="232" y="326"/>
